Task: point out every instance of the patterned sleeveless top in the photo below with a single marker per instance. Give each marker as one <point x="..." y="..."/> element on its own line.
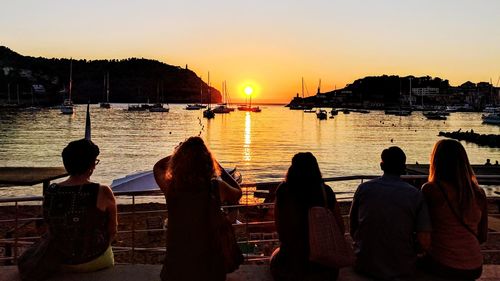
<point x="78" y="227"/>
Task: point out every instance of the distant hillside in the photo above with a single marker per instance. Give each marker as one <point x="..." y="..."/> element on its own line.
<point x="131" y="80"/>
<point x="410" y="91"/>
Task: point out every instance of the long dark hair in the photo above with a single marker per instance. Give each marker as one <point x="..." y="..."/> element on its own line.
<point x="191" y="166"/>
<point x="449" y="163"/>
<point x="304" y="176"/>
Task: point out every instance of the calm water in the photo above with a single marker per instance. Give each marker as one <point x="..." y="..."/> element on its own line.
<point x="261" y="144"/>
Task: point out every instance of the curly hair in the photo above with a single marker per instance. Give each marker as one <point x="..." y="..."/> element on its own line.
<point x="191" y="166"/>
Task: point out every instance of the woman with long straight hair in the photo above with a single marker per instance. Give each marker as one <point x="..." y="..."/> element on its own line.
<point x="459" y="214"/>
<point x="188" y="179"/>
<point x="302" y="189"/>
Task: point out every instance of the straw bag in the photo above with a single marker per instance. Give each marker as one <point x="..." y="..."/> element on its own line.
<point x="327" y="244"/>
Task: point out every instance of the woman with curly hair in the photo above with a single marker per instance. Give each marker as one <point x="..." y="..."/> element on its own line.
<point x="187" y="178"/>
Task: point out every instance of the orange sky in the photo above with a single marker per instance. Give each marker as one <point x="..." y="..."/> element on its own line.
<point x="269" y="45"/>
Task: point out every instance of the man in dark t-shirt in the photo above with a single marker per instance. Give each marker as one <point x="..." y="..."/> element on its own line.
<point x="387" y="215"/>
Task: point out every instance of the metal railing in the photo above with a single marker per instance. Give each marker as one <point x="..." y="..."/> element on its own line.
<point x="13" y="242"/>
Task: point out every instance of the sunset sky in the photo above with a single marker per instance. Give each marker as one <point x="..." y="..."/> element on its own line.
<point x="269" y="44"/>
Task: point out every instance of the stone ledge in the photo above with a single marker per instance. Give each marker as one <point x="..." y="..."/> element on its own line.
<point x="245" y="273"/>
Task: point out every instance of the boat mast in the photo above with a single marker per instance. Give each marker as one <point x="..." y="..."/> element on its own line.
<point x="70" y="77"/>
<point x="107" y="87"/>
<point x="302" y="88"/>
<point x="209" y="92"/>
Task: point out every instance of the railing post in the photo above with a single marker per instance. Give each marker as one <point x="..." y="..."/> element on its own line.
<point x="133" y="229"/>
<point x="15" y="232"/>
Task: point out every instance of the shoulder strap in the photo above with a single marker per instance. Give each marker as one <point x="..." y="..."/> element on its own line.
<point x="325" y="198"/>
<point x="454" y="211"/>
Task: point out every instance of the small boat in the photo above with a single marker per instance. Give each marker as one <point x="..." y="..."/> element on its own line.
<point x="322" y="114"/>
<point x="194" y="107"/>
<point x="158" y="107"/>
<point x="106" y="104"/>
<point x="222" y="108"/>
<point x="346" y="111"/>
<point x="67" y="106"/>
<point x="334" y="112"/>
<point x="434" y="115"/>
<point x="249" y="108"/>
<point x="492" y="118"/>
<point x="137" y="107"/>
<point x="491" y="109"/>
<point x="208" y="113"/>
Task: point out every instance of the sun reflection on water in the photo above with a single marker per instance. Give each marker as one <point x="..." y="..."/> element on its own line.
<point x="247" y="150"/>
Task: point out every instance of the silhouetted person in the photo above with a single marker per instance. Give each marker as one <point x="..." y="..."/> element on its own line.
<point x="188" y="178"/>
<point x="488" y="162"/>
<point x="385" y="214"/>
<point x="81" y="218"/>
<point x="302" y="189"/>
<point x="459" y="214"/>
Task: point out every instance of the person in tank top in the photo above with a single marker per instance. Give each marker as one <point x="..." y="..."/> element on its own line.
<point x="459" y="214"/>
<point x="81" y="219"/>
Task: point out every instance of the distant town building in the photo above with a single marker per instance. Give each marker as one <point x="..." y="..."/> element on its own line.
<point x="38" y="89"/>
<point x="425" y="91"/>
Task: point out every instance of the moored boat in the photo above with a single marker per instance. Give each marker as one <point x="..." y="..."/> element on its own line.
<point x="67" y="106"/>
<point x="158" y="107"/>
<point x="492" y="118"/>
<point x="249" y="108"/>
<point x="321" y="114"/>
<point x="222" y="108"/>
<point x="434" y="115"/>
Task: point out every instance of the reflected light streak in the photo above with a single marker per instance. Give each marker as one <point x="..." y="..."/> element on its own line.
<point x="247" y="151"/>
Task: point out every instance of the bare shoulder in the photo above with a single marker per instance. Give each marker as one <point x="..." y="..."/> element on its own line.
<point x="106" y="192"/>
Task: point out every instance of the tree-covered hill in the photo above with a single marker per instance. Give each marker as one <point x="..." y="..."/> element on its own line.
<point x="130" y="80"/>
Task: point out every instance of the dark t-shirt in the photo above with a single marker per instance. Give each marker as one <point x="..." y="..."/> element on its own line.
<point x="385" y="215"/>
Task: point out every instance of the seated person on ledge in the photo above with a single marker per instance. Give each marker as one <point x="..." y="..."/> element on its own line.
<point x="386" y="213"/>
<point x="302" y="189"/>
<point x="81" y="219"/>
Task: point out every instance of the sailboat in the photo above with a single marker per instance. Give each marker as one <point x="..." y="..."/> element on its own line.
<point x="67" y="106"/>
<point x="158" y="107"/>
<point x="302" y="105"/>
<point x="32" y="108"/>
<point x="200" y="105"/>
<point x="209" y="113"/>
<point x="106" y="86"/>
<point x="222" y="107"/>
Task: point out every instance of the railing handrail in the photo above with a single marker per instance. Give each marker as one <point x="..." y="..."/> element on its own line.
<point x="254" y="184"/>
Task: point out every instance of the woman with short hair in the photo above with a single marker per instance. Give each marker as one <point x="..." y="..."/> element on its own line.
<point x="81" y="217"/>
